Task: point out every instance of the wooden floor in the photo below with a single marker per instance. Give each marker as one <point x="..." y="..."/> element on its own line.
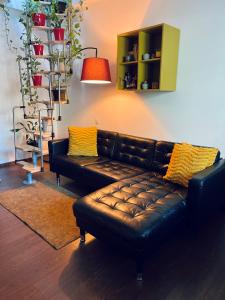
<point x="184" y="268"/>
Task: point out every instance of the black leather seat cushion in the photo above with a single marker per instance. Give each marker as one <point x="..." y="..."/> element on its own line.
<point x="71" y="164"/>
<point x="133" y="208"/>
<point x="113" y="169"/>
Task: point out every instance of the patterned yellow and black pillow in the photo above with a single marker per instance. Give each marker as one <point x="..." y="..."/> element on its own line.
<point x="83" y="141"/>
<point x="187" y="160"/>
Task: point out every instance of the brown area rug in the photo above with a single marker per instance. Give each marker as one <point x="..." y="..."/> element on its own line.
<point x="45" y="209"/>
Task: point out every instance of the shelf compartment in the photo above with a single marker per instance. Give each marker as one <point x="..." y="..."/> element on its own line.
<point x="150" y="40"/>
<point x="149" y="72"/>
<point x="128" y="45"/>
<point x="132" y="69"/>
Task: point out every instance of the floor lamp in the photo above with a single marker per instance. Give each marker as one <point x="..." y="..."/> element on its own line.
<point x="95" y="70"/>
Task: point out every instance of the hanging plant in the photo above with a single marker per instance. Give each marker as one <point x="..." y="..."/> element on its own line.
<point x="6" y="14"/>
<point x="74" y="27"/>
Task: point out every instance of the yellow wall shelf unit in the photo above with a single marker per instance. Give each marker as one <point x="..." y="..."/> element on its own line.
<point x="157" y="68"/>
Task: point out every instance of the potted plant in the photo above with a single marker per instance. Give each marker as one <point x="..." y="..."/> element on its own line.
<point x="60" y="6"/>
<point x="62" y="95"/>
<point x="35" y="71"/>
<point x="56" y="22"/>
<point x="29" y="127"/>
<point x="58" y="30"/>
<point x="38" y="46"/>
<point x="25" y="80"/>
<point x="39" y="19"/>
<point x="37" y="13"/>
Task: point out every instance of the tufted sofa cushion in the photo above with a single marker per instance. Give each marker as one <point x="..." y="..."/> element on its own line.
<point x="106" y="141"/>
<point x="113" y="169"/>
<point x="163" y="152"/>
<point x="134" y="208"/>
<point x="134" y="150"/>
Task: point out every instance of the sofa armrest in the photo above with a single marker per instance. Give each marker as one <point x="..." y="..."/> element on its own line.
<point x="207" y="190"/>
<point x="57" y="147"/>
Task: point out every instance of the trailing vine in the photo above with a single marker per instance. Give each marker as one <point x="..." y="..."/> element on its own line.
<point x="77" y="13"/>
<point x="6" y="15"/>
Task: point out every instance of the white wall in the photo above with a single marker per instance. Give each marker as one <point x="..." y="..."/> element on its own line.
<point x="195" y="113"/>
<point x="9" y="90"/>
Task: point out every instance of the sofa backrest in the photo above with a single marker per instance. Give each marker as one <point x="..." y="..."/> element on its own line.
<point x="134" y="150"/>
<point x="106" y="141"/>
<point x="163" y="151"/>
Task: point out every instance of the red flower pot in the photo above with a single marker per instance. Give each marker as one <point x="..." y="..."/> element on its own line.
<point x="59" y="34"/>
<point x="39" y="19"/>
<point x="38" y="49"/>
<point x="37" y="80"/>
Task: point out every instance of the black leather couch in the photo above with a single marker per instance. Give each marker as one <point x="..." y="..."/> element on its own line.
<point x="133" y="207"/>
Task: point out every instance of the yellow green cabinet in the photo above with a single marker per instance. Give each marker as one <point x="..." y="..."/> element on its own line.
<point x="147" y="59"/>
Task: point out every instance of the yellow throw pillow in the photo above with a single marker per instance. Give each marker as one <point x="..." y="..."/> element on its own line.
<point x="83" y="141"/>
<point x="187" y="160"/>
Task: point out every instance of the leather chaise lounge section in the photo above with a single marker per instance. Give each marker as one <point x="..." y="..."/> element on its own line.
<point x="133" y="207"/>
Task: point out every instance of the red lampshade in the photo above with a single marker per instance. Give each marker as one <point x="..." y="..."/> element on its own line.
<point x="95" y="70"/>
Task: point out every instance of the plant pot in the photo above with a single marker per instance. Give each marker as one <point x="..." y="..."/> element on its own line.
<point x="38" y="49"/>
<point x="61" y="7"/>
<point x="37" y="80"/>
<point x="59" y="34"/>
<point x="39" y="19"/>
<point x="55" y="95"/>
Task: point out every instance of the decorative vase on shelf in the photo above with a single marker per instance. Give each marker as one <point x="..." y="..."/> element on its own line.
<point x="145" y="85"/>
<point x="146" y="56"/>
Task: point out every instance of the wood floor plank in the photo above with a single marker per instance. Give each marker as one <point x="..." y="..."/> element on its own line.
<point x="183" y="268"/>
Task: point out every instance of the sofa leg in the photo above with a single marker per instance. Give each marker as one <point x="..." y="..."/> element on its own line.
<point x="57" y="179"/>
<point x="139" y="268"/>
<point x="82" y="236"/>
